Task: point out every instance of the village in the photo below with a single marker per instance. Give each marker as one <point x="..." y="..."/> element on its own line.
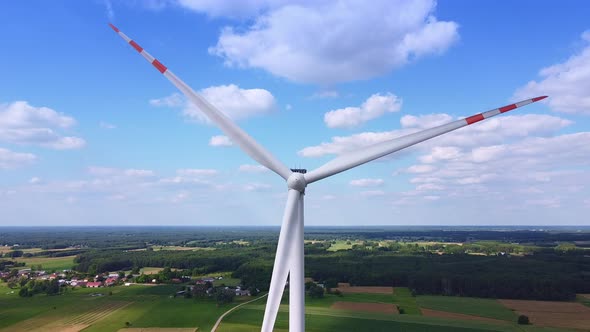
<point x="207" y="286"/>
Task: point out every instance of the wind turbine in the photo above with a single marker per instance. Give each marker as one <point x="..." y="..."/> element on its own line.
<point x="289" y="255"/>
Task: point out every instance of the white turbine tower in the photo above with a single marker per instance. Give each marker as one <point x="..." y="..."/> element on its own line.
<point x="289" y="255"/>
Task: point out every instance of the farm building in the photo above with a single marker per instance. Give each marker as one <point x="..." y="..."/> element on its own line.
<point x="110" y="282"/>
<point x="94" y="284"/>
<point x="242" y="292"/>
<point x="204" y="281"/>
<point x="78" y="283"/>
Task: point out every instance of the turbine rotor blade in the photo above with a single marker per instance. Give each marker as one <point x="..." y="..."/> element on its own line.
<point x="237" y="135"/>
<point x="282" y="260"/>
<point x="366" y="154"/>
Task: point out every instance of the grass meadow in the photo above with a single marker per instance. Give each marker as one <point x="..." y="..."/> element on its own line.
<point x="402" y="296"/>
<point x="343" y="245"/>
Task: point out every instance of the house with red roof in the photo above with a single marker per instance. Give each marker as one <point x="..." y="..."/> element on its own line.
<point x="110" y="281"/>
<point x="94" y="284"/>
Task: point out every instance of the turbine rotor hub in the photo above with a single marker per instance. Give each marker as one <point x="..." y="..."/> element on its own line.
<point x="296" y="181"/>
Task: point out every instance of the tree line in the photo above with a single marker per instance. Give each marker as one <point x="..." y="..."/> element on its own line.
<point x="551" y="275"/>
<point x="540" y="277"/>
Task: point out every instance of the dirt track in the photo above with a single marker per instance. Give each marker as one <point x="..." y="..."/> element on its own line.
<point x="384" y="308"/>
<point x="552" y="314"/>
<point x="216" y="326"/>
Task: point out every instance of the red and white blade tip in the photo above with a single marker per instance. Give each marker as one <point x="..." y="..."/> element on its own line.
<point x="478" y="117"/>
<point x="539" y="98"/>
<point x="159" y="66"/>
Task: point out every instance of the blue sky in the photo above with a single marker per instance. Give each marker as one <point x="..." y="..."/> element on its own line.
<point x="91" y="134"/>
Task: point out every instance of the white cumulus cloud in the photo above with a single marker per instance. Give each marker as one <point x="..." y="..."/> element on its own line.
<point x="233" y="9"/>
<point x="367" y="182"/>
<point x="22" y="123"/>
<point x="233" y="101"/>
<point x="372" y="193"/>
<point x="246" y="168"/>
<point x="139" y="172"/>
<point x="10" y="159"/>
<point x="567" y="83"/>
<point x="257" y="187"/>
<point x="374" y="107"/>
<point x="197" y="172"/>
<point x="441" y="153"/>
<point x="22" y="115"/>
<point x="425" y="121"/>
<point x="429" y="187"/>
<point x="342" y="144"/>
<point x="174" y="100"/>
<point x="420" y="169"/>
<point x="492" y="131"/>
<point x="100" y="171"/>
<point x="536" y="170"/>
<point x="220" y="140"/>
<point x="359" y="39"/>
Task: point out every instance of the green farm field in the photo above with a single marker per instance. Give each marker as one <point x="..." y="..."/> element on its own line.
<point x="249" y="318"/>
<point x="149" y="270"/>
<point x="343" y="245"/>
<point x="317" y="319"/>
<point x="49" y="263"/>
<point x="489" y="308"/>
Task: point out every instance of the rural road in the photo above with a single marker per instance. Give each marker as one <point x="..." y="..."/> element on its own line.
<point x="214" y="329"/>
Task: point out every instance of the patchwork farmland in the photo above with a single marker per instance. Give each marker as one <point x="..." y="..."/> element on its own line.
<point x="163" y="269"/>
<point x="153" y="309"/>
<point x="357" y="311"/>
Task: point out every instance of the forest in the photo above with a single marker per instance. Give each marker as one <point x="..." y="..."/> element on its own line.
<point x="519" y="264"/>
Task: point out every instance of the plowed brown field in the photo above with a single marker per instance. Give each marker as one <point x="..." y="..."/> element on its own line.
<point x="554" y="314"/>
<point x="346" y="288"/>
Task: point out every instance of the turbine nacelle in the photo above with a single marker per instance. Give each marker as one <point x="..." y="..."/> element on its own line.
<point x="296" y="181"/>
